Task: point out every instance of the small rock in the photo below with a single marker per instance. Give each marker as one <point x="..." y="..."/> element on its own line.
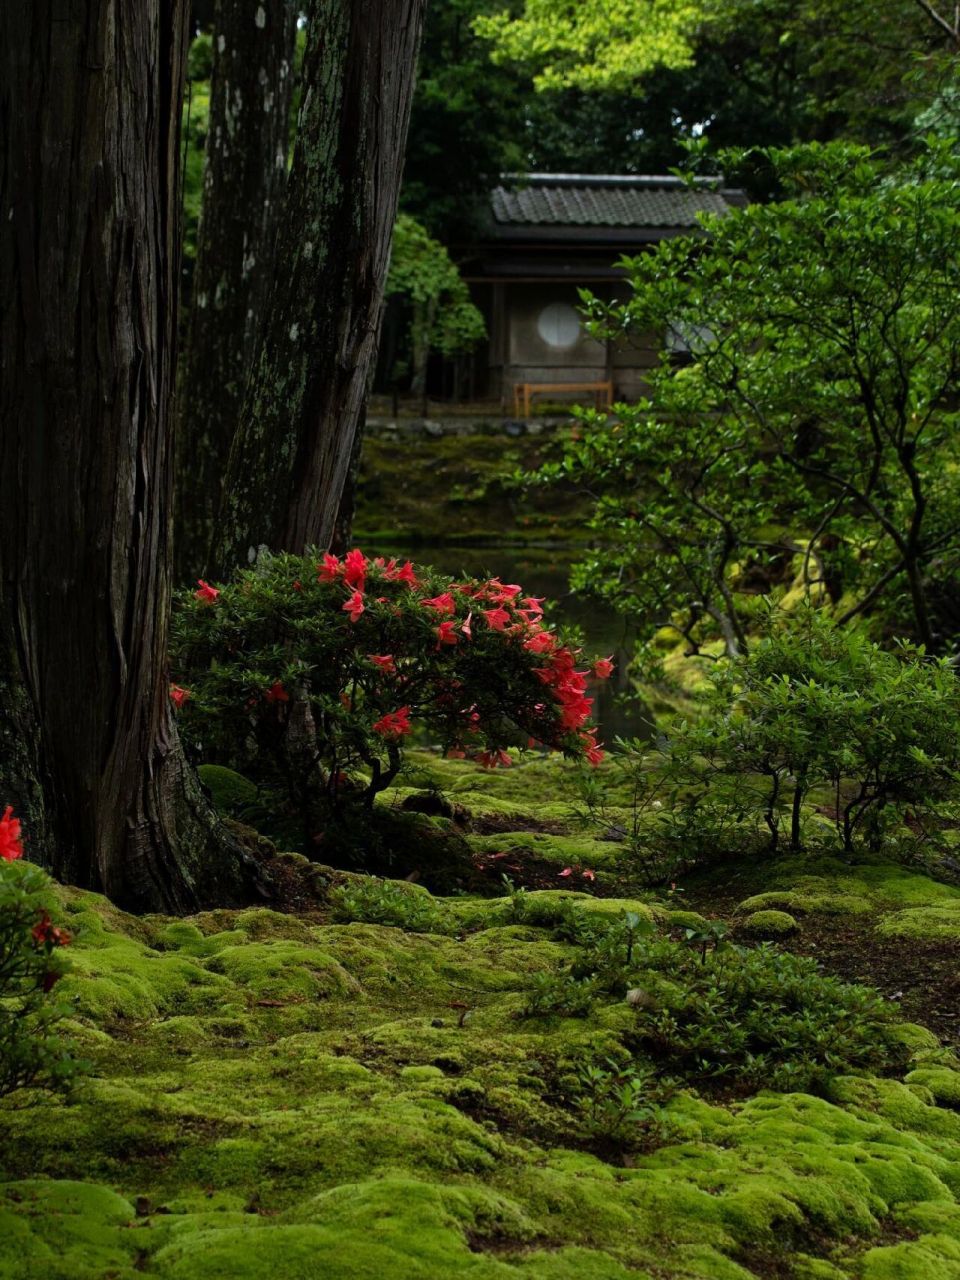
<point x="637" y="998"/>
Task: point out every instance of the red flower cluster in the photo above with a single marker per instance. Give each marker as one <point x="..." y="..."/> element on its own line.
<point x="435" y="629"/>
<point x="10" y="846"/>
<point x="395" y="724"/>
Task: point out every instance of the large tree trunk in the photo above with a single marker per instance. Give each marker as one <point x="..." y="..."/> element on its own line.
<point x="89" y="111"/>
<point x="300" y="414"/>
<point x="245" y="170"/>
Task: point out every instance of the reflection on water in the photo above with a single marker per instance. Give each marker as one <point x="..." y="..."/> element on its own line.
<point x="546" y="573"/>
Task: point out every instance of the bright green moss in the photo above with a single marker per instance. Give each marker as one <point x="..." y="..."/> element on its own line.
<point x="354" y="1100"/>
<point x="923" y="922"/>
<point x="833" y="904"/>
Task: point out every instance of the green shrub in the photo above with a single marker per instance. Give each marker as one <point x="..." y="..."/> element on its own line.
<point x="306" y="677"/>
<point x="764" y="1018"/>
<point x="811" y="711"/>
<point x="559" y="995"/>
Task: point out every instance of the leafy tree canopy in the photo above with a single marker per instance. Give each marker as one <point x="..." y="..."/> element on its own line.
<point x="811" y="427"/>
<point x="824" y="68"/>
<point x="595" y="43"/>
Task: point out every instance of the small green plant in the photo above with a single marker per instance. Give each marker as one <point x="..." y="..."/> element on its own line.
<point x="517" y="909"/>
<point x="623" y="1102"/>
<point x="712" y="934"/>
<point x="373" y="901"/>
<point x="559" y="995"/>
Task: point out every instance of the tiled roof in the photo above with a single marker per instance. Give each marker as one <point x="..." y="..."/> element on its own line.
<point x="578" y="200"/>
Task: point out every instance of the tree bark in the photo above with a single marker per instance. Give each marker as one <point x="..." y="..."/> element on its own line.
<point x="89" y="113"/>
<point x="245" y="170"/>
<point x="297" y="426"/>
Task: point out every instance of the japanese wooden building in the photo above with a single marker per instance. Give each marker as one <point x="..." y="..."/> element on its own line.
<point x="549" y="235"/>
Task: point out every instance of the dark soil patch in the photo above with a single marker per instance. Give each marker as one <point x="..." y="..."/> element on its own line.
<point x="492" y="824"/>
<point x="922" y="975"/>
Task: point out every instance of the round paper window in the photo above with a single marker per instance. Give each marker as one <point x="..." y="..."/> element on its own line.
<point x="558" y="325"/>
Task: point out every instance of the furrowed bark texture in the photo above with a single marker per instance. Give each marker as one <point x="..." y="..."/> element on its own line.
<point x="292" y="451"/>
<point x="89" y="109"/>
<point x="245" y="170"/>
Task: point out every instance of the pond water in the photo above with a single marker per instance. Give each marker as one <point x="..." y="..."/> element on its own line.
<point x="543" y="572"/>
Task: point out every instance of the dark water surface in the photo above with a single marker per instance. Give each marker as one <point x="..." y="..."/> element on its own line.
<point x="542" y="572"/>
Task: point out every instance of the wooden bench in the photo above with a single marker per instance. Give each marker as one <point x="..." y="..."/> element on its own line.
<point x="523" y="393"/>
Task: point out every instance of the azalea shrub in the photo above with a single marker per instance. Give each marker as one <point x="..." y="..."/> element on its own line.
<point x="31" y="1049"/>
<point x="309" y="674"/>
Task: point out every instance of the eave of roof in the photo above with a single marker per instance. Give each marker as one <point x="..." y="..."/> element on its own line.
<point x="614" y="206"/>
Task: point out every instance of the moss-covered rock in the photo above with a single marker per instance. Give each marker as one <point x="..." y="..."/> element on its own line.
<point x="770" y="925"/>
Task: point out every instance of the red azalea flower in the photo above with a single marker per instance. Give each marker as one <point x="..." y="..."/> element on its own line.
<point x="404" y="574"/>
<point x="497" y="619"/>
<point x="384" y="661"/>
<point x="589" y="875"/>
<point x="443" y="603"/>
<point x="394" y="724"/>
<point x="206" y="594"/>
<point x="277" y="693"/>
<point x="445" y="634"/>
<point x="534" y="603"/>
<point x="297" y="584"/>
<point x="330" y="570"/>
<point x="354" y="606"/>
<point x="355" y="569"/>
<point x="603" y="668"/>
<point x="542" y="642"/>
<point x="567" y="871"/>
<point x="10" y="846"/>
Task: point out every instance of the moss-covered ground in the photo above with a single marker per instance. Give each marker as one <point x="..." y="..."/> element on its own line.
<point x="274" y="1095"/>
